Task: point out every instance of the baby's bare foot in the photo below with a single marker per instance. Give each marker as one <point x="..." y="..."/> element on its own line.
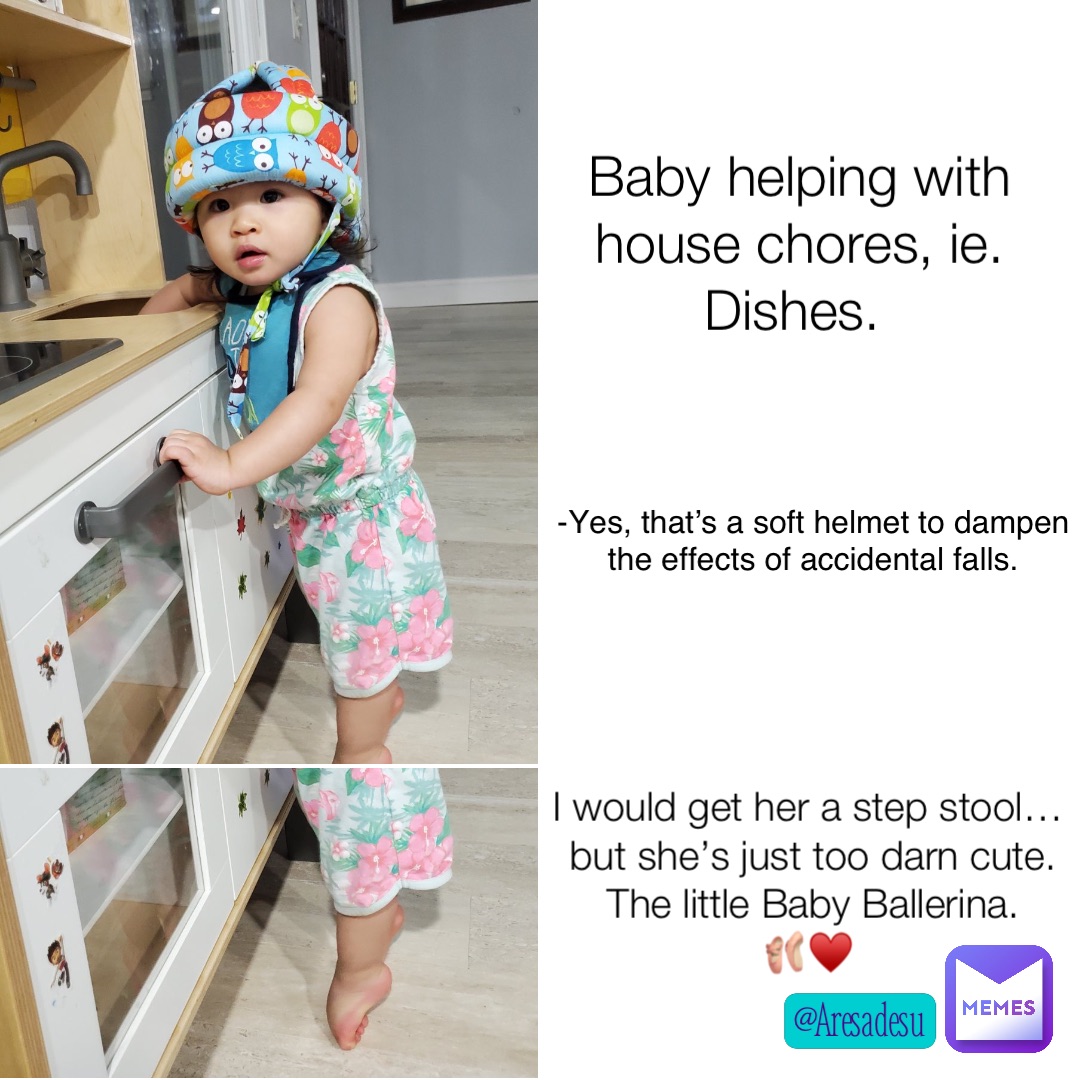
<point x="349" y="1001"/>
<point x="794" y="957"/>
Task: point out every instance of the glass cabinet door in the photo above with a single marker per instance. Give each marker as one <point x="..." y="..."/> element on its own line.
<point x="134" y="870"/>
<point x="132" y="644"/>
<point x="101" y="599"/>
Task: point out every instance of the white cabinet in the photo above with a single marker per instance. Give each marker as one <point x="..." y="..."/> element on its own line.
<point x="251" y="799"/>
<point x="125" y="647"/>
<point x="117" y="641"/>
<point x="123" y="880"/>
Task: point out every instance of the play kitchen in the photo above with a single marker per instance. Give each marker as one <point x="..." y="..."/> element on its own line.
<point x="117" y="884"/>
<point x="132" y="607"/>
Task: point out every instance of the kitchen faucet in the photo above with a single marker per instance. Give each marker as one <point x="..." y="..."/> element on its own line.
<point x="16" y="263"/>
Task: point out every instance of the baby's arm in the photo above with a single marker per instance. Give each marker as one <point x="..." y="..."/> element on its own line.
<point x="340" y="339"/>
<point x="184" y="292"/>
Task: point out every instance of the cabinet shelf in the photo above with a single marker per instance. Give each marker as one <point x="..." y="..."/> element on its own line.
<point x="103" y="645"/>
<point x="102" y="864"/>
<point x="31" y="34"/>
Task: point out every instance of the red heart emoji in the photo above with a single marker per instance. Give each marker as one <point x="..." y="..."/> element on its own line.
<point x="829" y="952"/>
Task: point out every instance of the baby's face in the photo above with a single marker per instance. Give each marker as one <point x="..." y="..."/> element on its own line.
<point x="255" y="233"/>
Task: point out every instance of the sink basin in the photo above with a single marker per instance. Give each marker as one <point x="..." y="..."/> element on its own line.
<point x="97" y="309"/>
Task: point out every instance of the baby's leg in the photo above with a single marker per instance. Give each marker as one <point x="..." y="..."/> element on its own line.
<point x="363" y="724"/>
<point x="361" y="978"/>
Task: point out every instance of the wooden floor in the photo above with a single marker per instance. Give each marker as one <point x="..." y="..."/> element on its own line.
<point x="464" y="997"/>
<point x="467" y="379"/>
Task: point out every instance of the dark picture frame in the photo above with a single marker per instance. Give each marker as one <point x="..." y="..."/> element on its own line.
<point x="410" y="10"/>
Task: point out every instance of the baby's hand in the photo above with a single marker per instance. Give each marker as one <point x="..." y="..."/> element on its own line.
<point x="206" y="465"/>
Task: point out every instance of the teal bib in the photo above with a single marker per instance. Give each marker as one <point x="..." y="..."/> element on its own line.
<point x="261" y="370"/>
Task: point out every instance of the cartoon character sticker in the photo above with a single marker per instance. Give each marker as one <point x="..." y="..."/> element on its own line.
<point x="49" y="656"/>
<point x="47" y="878"/>
<point x="62" y="975"/>
<point x="59" y="743"/>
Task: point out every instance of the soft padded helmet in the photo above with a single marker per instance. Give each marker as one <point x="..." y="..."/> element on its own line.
<point x="264" y="123"/>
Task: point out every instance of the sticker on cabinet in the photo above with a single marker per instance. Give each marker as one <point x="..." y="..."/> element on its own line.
<point x="241" y="524"/>
<point x="241" y="803"/>
<point x="98" y="801"/>
<point x="260" y="509"/>
<point x="242" y="586"/>
<point x="62" y="975"/>
<point x="50" y="655"/>
<point x="47" y="878"/>
<point x="94" y="585"/>
<point x="266" y="559"/>
<point x="59" y="743"/>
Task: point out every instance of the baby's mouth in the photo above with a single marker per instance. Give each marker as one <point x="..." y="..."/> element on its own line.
<point x="250" y="258"/>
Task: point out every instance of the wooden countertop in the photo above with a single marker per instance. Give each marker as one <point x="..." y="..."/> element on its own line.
<point x="144" y="337"/>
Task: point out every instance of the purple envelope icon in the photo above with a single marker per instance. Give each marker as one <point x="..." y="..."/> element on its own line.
<point x="999" y="999"/>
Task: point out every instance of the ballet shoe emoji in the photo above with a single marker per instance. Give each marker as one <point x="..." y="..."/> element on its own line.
<point x="794" y="957"/>
<point x="775" y="950"/>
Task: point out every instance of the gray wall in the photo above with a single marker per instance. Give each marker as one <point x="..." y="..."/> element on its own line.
<point x="450" y="107"/>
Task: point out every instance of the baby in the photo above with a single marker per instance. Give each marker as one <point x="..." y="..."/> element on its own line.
<point x="265" y="174"/>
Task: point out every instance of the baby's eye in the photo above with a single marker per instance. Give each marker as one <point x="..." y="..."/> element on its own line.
<point x="216" y="206"/>
<point x="272" y="195"/>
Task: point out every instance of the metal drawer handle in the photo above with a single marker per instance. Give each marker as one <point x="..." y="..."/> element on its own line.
<point x="93" y="522"/>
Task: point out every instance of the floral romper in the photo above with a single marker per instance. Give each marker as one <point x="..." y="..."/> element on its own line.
<point x="360" y="524"/>
<point x="380" y="831"/>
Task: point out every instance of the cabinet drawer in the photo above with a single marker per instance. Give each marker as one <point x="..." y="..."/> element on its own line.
<point x="45" y="461"/>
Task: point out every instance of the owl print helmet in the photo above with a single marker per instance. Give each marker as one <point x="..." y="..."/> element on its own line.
<point x="264" y="123"/>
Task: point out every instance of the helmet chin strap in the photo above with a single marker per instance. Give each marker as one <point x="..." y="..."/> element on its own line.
<point x="287" y="282"/>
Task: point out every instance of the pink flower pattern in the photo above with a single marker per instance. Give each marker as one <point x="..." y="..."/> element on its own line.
<point x="416" y="519"/>
<point x="349" y="442"/>
<point x="297" y="524"/>
<point x="376" y="833"/>
<point x="371" y="777"/>
<point x="363" y="530"/>
<point x="366" y="550"/>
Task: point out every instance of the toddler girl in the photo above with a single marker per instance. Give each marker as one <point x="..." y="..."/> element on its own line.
<point x="264" y="173"/>
<point x="380" y="831"/>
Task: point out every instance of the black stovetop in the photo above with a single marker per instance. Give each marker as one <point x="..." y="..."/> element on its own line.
<point x="26" y="364"/>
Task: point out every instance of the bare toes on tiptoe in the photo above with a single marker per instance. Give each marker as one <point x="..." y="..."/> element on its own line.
<point x="348" y="1005"/>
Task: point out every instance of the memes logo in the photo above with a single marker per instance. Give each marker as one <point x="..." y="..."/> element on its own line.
<point x="999" y="999"/>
